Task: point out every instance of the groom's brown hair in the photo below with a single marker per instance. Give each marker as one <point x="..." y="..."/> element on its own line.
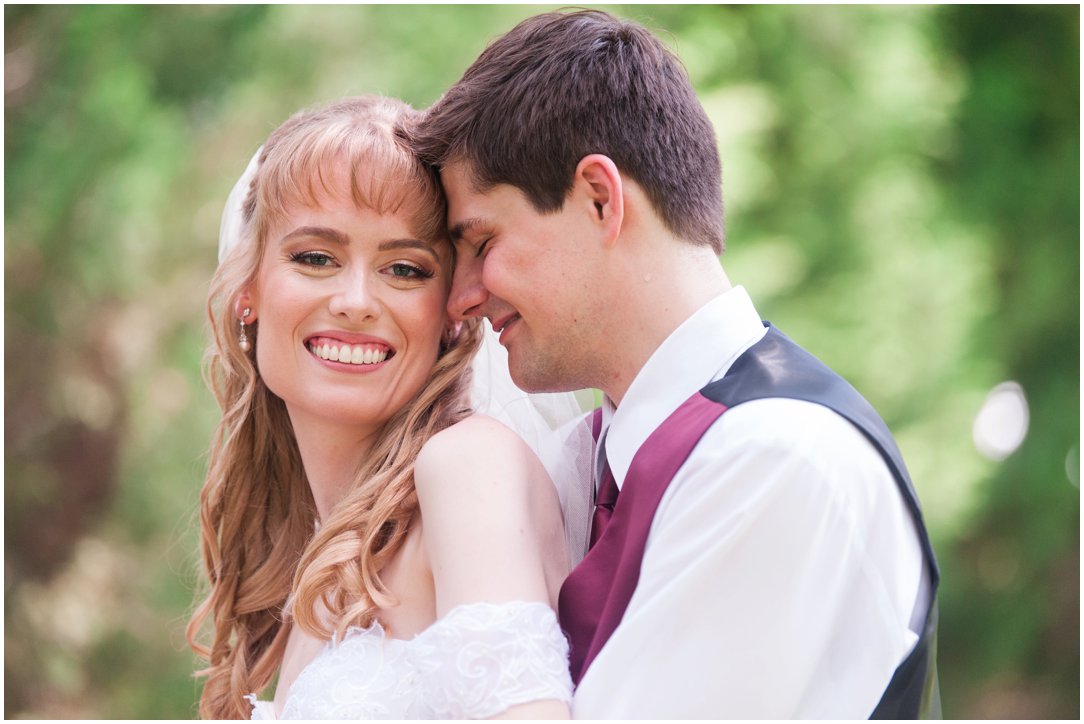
<point x="561" y="86"/>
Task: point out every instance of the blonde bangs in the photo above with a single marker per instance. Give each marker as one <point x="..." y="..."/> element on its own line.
<point x="354" y="154"/>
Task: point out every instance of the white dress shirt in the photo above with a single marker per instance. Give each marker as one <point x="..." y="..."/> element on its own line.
<point x="782" y="570"/>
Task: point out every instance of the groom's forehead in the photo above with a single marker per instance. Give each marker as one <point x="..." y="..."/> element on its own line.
<point x="468" y="209"/>
<point x="458" y="177"/>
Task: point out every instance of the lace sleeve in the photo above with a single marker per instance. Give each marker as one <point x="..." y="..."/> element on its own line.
<point x="482" y="658"/>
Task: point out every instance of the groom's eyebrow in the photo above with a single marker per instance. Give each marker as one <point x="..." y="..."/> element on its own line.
<point x="459" y="229"/>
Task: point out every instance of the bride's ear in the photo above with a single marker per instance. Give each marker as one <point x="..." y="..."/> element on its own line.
<point x="245" y="307"/>
<point x="452" y="329"/>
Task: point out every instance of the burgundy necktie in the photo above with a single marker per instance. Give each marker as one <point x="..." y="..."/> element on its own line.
<point x="604" y="504"/>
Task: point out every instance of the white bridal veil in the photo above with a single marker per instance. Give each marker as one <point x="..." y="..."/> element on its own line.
<point x="552" y="424"/>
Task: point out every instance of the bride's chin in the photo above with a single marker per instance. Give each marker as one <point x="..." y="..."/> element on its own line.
<point x="339" y="417"/>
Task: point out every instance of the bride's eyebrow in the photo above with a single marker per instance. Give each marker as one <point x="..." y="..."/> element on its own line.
<point x="407" y="244"/>
<point x="321" y="232"/>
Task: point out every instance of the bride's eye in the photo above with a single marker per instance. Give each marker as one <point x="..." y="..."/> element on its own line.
<point x="312" y="258"/>
<point x="403" y="270"/>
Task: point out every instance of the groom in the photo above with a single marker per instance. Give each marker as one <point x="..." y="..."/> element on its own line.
<point x="757" y="549"/>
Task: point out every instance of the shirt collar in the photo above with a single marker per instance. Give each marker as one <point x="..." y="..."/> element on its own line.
<point x="700" y="350"/>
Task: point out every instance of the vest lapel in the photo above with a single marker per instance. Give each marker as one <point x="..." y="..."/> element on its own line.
<point x="594" y="596"/>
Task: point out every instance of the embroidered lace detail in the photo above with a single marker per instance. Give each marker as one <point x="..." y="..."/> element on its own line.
<point x="476" y="661"/>
<point x="260" y="709"/>
<point x="483" y="658"/>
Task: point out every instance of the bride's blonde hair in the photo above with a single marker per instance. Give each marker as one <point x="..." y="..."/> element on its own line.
<point x="260" y="547"/>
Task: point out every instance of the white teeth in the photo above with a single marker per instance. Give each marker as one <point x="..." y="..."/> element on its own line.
<point x="350" y="354"/>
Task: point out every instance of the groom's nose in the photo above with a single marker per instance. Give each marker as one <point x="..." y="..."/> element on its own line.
<point x="468" y="294"/>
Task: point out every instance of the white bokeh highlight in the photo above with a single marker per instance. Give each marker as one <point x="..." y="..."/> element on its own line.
<point x="1002" y="422"/>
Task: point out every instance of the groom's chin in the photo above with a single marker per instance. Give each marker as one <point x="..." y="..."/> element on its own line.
<point x="535" y="375"/>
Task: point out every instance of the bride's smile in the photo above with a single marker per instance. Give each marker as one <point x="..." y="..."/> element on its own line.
<point x="332" y="348"/>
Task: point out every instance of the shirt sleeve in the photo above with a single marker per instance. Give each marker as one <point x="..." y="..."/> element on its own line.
<point x="778" y="580"/>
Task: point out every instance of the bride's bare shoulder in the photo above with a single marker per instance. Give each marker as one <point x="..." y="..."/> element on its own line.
<point x="488" y="511"/>
<point x="478" y="461"/>
<point x="478" y="439"/>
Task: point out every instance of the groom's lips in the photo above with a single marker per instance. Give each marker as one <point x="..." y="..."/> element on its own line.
<point x="502" y="325"/>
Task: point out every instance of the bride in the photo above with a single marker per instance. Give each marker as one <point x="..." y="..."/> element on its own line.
<point x="369" y="540"/>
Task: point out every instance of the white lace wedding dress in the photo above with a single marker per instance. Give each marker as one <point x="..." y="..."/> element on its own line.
<point x="476" y="661"/>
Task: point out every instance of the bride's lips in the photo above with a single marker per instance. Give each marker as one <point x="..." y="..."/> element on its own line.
<point x="349" y="351"/>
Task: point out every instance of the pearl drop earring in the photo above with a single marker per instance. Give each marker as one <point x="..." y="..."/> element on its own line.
<point x="243" y="341"/>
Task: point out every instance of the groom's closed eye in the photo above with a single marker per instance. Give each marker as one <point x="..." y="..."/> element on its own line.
<point x="474" y="226"/>
<point x="482" y="247"/>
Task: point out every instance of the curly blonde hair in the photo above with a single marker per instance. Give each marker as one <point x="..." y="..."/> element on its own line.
<point x="268" y="566"/>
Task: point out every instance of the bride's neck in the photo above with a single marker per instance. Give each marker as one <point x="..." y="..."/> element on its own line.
<point x="331" y="456"/>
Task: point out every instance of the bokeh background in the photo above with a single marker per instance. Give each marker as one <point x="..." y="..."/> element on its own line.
<point x="902" y="191"/>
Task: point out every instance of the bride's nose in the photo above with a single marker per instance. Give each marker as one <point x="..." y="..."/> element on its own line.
<point x="356" y="298"/>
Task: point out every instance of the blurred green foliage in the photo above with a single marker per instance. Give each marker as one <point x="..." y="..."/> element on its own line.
<point x="902" y="188"/>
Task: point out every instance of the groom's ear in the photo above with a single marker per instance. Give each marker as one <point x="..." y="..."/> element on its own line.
<point x="598" y="184"/>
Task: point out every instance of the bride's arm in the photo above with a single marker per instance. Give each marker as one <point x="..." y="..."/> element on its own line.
<point x="486" y="536"/>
